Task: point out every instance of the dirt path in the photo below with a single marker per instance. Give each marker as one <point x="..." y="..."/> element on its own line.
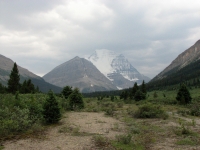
<point x="82" y="127"/>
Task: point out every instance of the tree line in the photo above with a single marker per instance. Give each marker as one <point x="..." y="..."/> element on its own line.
<point x="135" y="93"/>
<point x="13" y="84"/>
<point x="189" y="75"/>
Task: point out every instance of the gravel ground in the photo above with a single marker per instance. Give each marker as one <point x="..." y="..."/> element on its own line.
<point x="84" y="122"/>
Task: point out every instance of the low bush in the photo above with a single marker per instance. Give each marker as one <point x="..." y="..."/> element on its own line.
<point x="109" y="111"/>
<point x="120" y="104"/>
<point x="195" y="109"/>
<point x="183" y="112"/>
<point x="100" y="141"/>
<point x="134" y="130"/>
<point x="13" y="121"/>
<point x="124" y="139"/>
<point x="107" y="104"/>
<point x="187" y="141"/>
<point x="131" y="110"/>
<point x="150" y="111"/>
<point x="76" y="100"/>
<point x="182" y="131"/>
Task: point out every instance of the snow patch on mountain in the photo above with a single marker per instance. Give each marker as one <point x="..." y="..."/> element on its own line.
<point x="116" y="68"/>
<point x="119" y="88"/>
<point x="128" y="78"/>
<point x="109" y="62"/>
<point x="102" y="59"/>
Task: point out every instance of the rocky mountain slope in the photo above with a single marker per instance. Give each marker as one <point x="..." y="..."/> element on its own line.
<point x="116" y="68"/>
<point x="79" y="72"/>
<point x="185" y="68"/>
<point x="190" y="55"/>
<point x="6" y="66"/>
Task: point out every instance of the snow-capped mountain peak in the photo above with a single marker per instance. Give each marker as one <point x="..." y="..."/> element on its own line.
<point x="116" y="68"/>
<point x="102" y="59"/>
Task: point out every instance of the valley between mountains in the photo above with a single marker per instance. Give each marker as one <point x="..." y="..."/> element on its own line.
<point x="105" y="70"/>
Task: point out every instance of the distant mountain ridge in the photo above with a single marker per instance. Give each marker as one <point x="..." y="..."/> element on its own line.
<point x="116" y="68"/>
<point x="185" y="68"/>
<point x="190" y="55"/>
<point x="6" y="65"/>
<point x="79" y="72"/>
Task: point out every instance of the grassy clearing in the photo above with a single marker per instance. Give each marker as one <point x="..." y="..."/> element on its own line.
<point x="155" y="120"/>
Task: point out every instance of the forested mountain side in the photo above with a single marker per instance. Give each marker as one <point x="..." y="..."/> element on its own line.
<point x="190" y="74"/>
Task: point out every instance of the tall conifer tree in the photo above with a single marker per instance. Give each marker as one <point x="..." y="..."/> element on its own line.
<point x="13" y="82"/>
<point x="143" y="88"/>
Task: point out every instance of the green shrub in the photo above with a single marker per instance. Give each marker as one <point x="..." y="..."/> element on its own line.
<point x="76" y="100"/>
<point x="13" y="121"/>
<point x="67" y="90"/>
<point x="120" y="104"/>
<point x="100" y="141"/>
<point x="139" y="95"/>
<point x="124" y="139"/>
<point x="155" y="95"/>
<point x="109" y="107"/>
<point x="195" y="109"/>
<point x="107" y="104"/>
<point x="35" y="110"/>
<point x="187" y="141"/>
<point x="183" y="112"/>
<point x="150" y="111"/>
<point x="134" y="130"/>
<point x="109" y="111"/>
<point x="51" y="112"/>
<point x="182" y="130"/>
<point x="92" y="107"/>
<point x="183" y="95"/>
<point x="131" y="111"/>
<point x="112" y="98"/>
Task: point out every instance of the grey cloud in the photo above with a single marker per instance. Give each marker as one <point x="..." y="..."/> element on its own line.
<point x="43" y="34"/>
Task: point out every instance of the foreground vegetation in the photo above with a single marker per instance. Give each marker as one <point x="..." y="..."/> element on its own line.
<point x="147" y="121"/>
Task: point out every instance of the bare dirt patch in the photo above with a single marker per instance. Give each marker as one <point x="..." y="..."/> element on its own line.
<point x="86" y="125"/>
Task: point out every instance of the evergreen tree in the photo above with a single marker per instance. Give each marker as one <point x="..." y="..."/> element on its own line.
<point x="112" y="98"/>
<point x="13" y="82"/>
<point x="30" y="86"/>
<point x="23" y="88"/>
<point x="27" y="87"/>
<point x="67" y="90"/>
<point x="76" y="100"/>
<point x="37" y="90"/>
<point x="135" y="88"/>
<point x="124" y="95"/>
<point x="139" y="95"/>
<point x="183" y="95"/>
<point x="51" y="109"/>
<point x="143" y="88"/>
<point x="2" y="89"/>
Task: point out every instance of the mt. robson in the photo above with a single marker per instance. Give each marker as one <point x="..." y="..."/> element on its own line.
<point x="102" y="71"/>
<point x="81" y="73"/>
<point x="116" y="68"/>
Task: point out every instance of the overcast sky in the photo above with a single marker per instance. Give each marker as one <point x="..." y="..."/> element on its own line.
<point x="41" y="34"/>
